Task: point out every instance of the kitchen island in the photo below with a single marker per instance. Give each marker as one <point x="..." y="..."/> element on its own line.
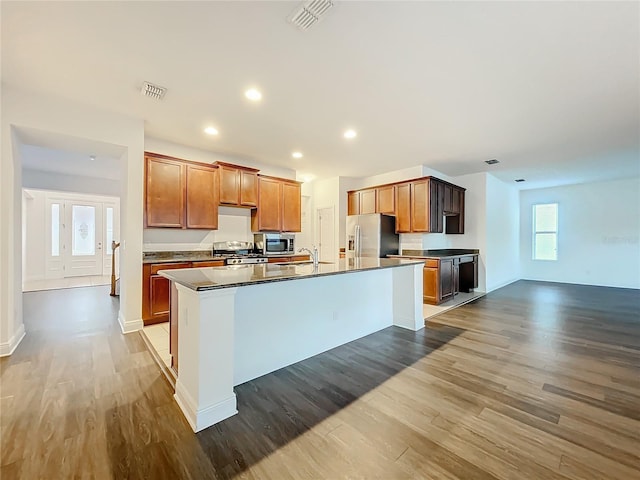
<point x="237" y="323"/>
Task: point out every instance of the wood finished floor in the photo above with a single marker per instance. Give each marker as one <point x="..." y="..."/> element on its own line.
<point x="533" y="381"/>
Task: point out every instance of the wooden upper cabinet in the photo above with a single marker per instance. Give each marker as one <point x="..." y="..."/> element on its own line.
<point x="238" y="185"/>
<point x="279" y="206"/>
<point x="180" y="194"/>
<point x="202" y="197"/>
<point x="386" y="198"/>
<point x="353" y="203"/>
<point x="164" y="192"/>
<point x="268" y="216"/>
<point x="420" y="213"/>
<point x="248" y="188"/>
<point x="368" y="201"/>
<point x="436" y="202"/>
<point x="403" y="208"/>
<point x="291" y="207"/>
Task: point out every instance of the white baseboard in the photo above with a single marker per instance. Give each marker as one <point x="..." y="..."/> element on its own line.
<point x="128" y="326"/>
<point x="205" y="417"/>
<point x="504" y="284"/>
<point x="7" y="348"/>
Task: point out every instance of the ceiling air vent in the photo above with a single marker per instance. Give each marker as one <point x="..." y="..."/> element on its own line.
<point x="493" y="161"/>
<point x="153" y="91"/>
<point x="309" y="13"/>
<point x="519" y="180"/>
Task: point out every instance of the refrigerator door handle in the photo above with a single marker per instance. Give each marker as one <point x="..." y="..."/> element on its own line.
<point x="357" y="248"/>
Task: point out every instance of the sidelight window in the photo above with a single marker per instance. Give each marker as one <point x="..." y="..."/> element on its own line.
<point x="545" y="231"/>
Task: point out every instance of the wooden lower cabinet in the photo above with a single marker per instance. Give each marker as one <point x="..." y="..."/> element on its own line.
<point x="156" y="291"/>
<point x="444" y="278"/>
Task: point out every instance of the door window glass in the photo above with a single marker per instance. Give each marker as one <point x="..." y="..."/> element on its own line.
<point x="55" y="229"/>
<point x="84" y="230"/>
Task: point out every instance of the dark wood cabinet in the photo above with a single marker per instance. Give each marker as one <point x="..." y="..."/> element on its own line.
<point x="180" y="194"/>
<point x="443" y="278"/>
<point x="164" y="193"/>
<point x="238" y="185"/>
<point x="386" y="200"/>
<point x="279" y="206"/>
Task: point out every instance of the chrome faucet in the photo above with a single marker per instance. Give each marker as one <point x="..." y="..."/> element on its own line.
<point x="314" y="254"/>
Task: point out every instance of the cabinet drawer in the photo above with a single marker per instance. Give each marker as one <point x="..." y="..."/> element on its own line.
<point x="467" y="259"/>
<point x="212" y="263"/>
<point x="432" y="263"/>
<point x="168" y="266"/>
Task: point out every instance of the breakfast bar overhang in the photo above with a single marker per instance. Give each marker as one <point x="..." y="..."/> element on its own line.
<point x="237" y="323"/>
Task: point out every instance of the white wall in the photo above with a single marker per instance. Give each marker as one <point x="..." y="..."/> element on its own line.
<point x="21" y="109"/>
<point x="69" y="183"/>
<point x="598" y="234"/>
<point x="502" y="234"/>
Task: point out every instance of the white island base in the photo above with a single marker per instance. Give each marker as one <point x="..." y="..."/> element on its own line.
<point x="230" y="335"/>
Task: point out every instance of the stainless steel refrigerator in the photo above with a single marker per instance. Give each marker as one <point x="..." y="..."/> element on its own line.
<point x="372" y="235"/>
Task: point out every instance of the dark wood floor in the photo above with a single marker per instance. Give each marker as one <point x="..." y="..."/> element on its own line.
<point x="533" y="381"/>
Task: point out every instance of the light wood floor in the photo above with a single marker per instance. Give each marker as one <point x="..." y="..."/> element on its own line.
<point x="533" y="381"/>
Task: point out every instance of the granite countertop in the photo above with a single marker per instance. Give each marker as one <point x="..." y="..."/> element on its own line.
<point x="189" y="256"/>
<point x="436" y="253"/>
<point x="195" y="256"/>
<point x="240" y="275"/>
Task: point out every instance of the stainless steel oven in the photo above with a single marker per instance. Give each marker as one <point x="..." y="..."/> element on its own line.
<point x="274" y="243"/>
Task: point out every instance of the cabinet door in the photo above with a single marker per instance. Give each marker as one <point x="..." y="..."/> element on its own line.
<point x="446" y="279"/>
<point x="159" y="296"/>
<point x="202" y="197"/>
<point x="213" y="263"/>
<point x="436" y="206"/>
<point x="403" y="208"/>
<point x="386" y="197"/>
<point x="248" y="188"/>
<point x="420" y="206"/>
<point x="368" y="201"/>
<point x="431" y="286"/>
<point x="353" y="203"/>
<point x="448" y="199"/>
<point x="268" y="216"/>
<point x="455" y="200"/>
<point x="229" y="185"/>
<point x="291" y="203"/>
<point x="164" y="193"/>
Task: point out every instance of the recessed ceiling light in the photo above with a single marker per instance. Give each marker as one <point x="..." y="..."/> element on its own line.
<point x="253" y="94"/>
<point x="211" y="131"/>
<point x="92" y="157"/>
<point x="296" y="154"/>
<point x="350" y="134"/>
<point x="520" y="180"/>
<point x="493" y="161"/>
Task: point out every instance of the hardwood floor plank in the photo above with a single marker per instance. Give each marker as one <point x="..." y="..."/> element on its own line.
<point x="533" y="381"/>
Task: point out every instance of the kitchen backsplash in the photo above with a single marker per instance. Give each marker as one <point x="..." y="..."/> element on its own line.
<point x="233" y="224"/>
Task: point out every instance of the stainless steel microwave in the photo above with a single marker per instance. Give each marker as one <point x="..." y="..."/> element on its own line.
<point x="274" y="243"/>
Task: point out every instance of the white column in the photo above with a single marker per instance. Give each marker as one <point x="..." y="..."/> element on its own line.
<point x="407" y="297"/>
<point x="204" y="388"/>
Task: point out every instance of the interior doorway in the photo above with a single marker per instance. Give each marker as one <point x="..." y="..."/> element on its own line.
<point x="69" y="238"/>
<point x="326" y="234"/>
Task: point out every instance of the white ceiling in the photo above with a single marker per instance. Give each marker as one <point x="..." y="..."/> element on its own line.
<point x="551" y="89"/>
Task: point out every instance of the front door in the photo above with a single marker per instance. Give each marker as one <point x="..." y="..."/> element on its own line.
<point x="85" y="237"/>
